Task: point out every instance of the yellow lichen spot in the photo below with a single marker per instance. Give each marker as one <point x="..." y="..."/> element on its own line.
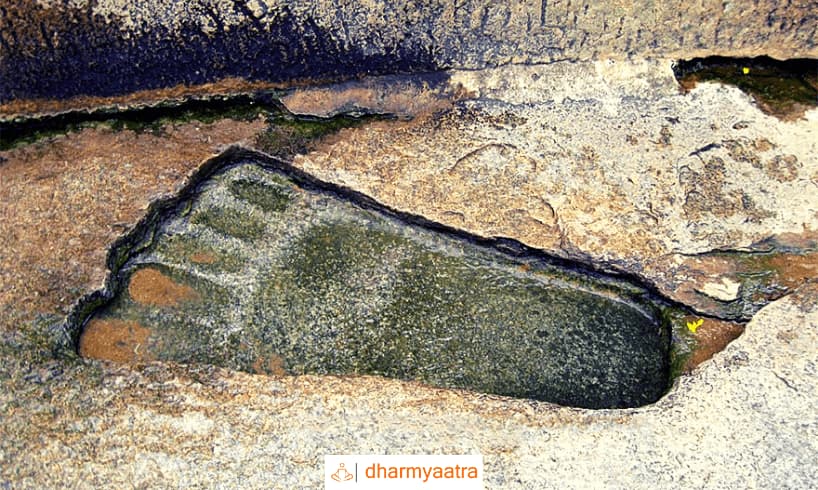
<point x="692" y="326"/>
<point x="745" y="70"/>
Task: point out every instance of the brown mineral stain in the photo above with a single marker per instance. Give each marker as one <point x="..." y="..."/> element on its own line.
<point x="147" y="98"/>
<point x="688" y="83"/>
<point x="115" y="340"/>
<point x="794" y="270"/>
<point x="203" y="258"/>
<point x="403" y="101"/>
<point x="150" y="287"/>
<point x="65" y="200"/>
<point x="711" y="337"/>
<point x="782" y="271"/>
<point x="763" y="144"/>
<point x="808" y="239"/>
<point x="272" y="364"/>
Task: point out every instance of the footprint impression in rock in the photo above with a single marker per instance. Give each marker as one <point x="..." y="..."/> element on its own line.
<point x="258" y="267"/>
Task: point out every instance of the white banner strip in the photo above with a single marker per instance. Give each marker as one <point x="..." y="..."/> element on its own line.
<point x="403" y="472"/>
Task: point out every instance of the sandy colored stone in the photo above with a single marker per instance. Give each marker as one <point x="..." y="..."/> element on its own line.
<point x="724" y="290"/>
<point x="743" y="419"/>
<point x="64" y="200"/>
<point x="402" y="97"/>
<point x="536" y="157"/>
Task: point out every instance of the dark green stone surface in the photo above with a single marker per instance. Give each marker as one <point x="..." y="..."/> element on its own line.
<point x="310" y="282"/>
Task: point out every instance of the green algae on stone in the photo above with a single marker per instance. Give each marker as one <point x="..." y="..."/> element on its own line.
<point x="146" y="119"/>
<point x="196" y="252"/>
<point x="683" y="342"/>
<point x="288" y="135"/>
<point x="270" y="198"/>
<point x="230" y="222"/>
<point x="782" y="88"/>
<point x="461" y="320"/>
<point x="320" y="284"/>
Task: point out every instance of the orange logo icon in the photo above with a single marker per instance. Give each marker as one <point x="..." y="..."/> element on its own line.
<point x="342" y="474"/>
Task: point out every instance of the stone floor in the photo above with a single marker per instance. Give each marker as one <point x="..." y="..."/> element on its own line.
<point x="607" y="163"/>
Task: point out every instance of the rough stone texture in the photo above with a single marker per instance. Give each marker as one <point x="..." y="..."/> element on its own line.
<point x="57" y="50"/>
<point x="744" y="419"/>
<point x="65" y="200"/>
<point x="602" y="161"/>
<point x="300" y="280"/>
<point x="398" y="96"/>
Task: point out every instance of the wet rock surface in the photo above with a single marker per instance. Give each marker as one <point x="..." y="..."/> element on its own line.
<point x="257" y="273"/>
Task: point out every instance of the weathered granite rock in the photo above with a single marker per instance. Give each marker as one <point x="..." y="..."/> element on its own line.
<point x="256" y="267"/>
<point x="57" y="50"/>
<point x="606" y="162"/>
<point x="745" y="418"/>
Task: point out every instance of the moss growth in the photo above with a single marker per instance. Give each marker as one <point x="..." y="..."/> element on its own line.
<point x="682" y="344"/>
<point x="268" y="197"/>
<point x="779" y="93"/>
<point x="10" y="140"/>
<point x="186" y="248"/>
<point x="153" y="119"/>
<point x="379" y="303"/>
<point x="334" y="288"/>
<point x="232" y="222"/>
<point x="781" y="88"/>
<point x="287" y="135"/>
<point x="331" y="252"/>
